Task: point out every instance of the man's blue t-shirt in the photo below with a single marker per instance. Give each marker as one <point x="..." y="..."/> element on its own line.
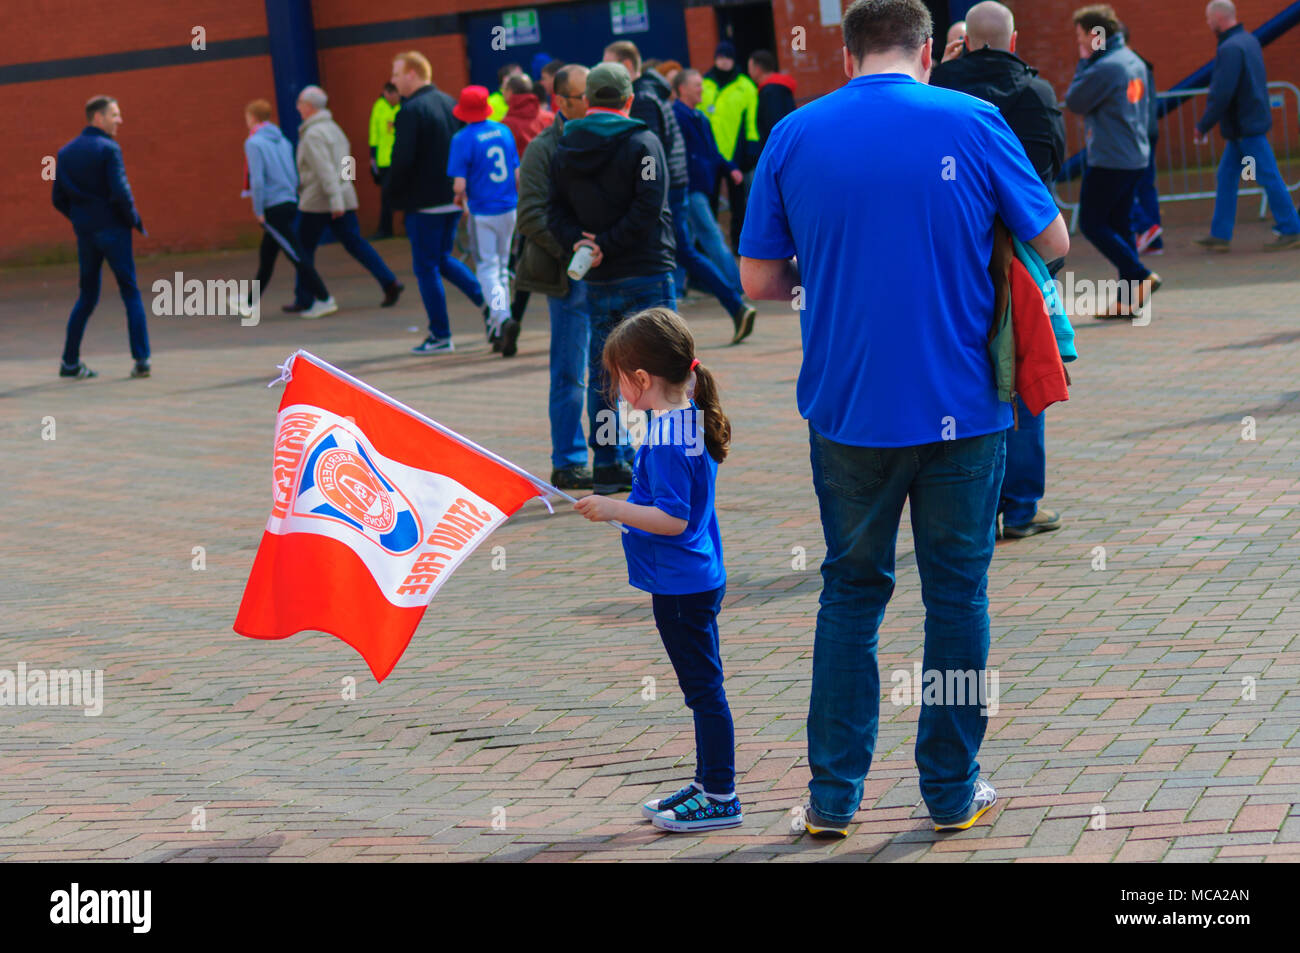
<point x="886" y="190"/>
<point x="484" y="155"/>
<point x="674" y="472"/>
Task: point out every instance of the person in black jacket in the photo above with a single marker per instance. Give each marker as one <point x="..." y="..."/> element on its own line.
<point x="418" y="184"/>
<point x="1238" y="103"/>
<point x="609" y="193"/>
<point x="990" y="70"/>
<point x="90" y="188"/>
<point x="775" y="93"/>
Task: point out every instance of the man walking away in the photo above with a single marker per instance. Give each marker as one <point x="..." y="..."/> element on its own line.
<point x="91" y="189"/>
<point x="484" y="168"/>
<point x="896" y="383"/>
<point x="542" y="264"/>
<point x="991" y="71"/>
<point x="653" y="109"/>
<point x="775" y="94"/>
<point x="601" y="200"/>
<point x="272" y="180"/>
<point x="730" y="100"/>
<point x="328" y="199"/>
<point x="420" y="187"/>
<point x="1109" y="90"/>
<point x="381" y="152"/>
<point x="1238" y="103"/>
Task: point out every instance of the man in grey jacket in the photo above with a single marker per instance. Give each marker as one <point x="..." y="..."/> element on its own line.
<point x="327" y="197"/>
<point x="1110" y="90"/>
<point x="1238" y="103"/>
<point x="542" y="265"/>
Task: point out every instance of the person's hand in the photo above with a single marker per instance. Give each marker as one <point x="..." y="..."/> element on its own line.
<point x="589" y="240"/>
<point x="261" y="220"/>
<point x="1201" y="140"/>
<point x="953" y="49"/>
<point x="598" y="509"/>
<point x="338" y="214"/>
<point x="737" y="176"/>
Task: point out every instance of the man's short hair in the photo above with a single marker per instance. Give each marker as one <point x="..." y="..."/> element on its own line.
<point x="259" y="109"/>
<point x="625" y="51"/>
<point x="1097" y="15"/>
<point x="415" y="62"/>
<point x="878" y="26"/>
<point x="764" y="60"/>
<point x="518" y="83"/>
<point x="553" y="67"/>
<point x="314" y="96"/>
<point x="562" y="75"/>
<point x="679" y="80"/>
<point x="389" y="88"/>
<point x="506" y="70"/>
<point x="96" y="105"/>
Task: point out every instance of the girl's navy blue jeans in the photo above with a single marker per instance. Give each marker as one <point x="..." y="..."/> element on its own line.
<point x="688" y="626"/>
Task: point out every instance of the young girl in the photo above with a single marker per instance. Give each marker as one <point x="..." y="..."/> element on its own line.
<point x="672" y="545"/>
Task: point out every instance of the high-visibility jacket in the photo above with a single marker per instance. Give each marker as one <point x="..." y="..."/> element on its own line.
<point x="732" y="108"/>
<point x="381" y="131"/>
<point x="499" y="106"/>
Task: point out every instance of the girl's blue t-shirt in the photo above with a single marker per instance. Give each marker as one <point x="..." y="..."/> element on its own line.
<point x="675" y="473"/>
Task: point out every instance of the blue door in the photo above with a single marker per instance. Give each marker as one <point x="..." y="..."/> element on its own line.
<point x="574" y="33"/>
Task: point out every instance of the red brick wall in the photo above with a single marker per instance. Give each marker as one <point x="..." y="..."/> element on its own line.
<point x="182" y="145"/>
<point x="819" y="67"/>
<point x="701" y="37"/>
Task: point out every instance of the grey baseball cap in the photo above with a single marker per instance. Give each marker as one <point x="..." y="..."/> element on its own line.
<point x="608" y="85"/>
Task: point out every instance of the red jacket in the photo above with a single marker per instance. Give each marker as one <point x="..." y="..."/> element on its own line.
<point x="1040" y="374"/>
<point x="526" y="118"/>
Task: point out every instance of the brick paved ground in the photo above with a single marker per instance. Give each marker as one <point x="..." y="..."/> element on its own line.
<point x="1123" y="690"/>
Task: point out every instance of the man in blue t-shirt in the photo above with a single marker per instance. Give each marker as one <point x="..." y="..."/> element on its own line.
<point x="886" y="192"/>
<point x="484" y="166"/>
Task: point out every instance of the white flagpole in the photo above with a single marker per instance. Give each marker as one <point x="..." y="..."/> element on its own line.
<point x="287" y="374"/>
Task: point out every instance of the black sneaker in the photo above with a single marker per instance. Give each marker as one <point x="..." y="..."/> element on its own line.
<point x="821" y="827"/>
<point x="509" y="338"/>
<point x="571" y="478"/>
<point x="391" y="294"/>
<point x="81" y="372"/>
<point x="743" y="322"/>
<point x="141" y="369"/>
<point x="616" y="479"/>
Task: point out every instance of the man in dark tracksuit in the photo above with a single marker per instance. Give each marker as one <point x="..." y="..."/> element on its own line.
<point x="990" y="70"/>
<point x="609" y="192"/>
<point x="1238" y="103"/>
<point x="90" y="188"/>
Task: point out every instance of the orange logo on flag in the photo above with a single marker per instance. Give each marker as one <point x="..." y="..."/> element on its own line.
<point x="1135" y="90"/>
<point x="347" y="482"/>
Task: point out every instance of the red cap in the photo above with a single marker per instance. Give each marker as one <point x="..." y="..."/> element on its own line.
<point x="473" y="105"/>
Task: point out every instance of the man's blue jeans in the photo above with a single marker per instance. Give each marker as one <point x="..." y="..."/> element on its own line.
<point x="112" y="244"/>
<point x="347" y="230"/>
<point x="570" y="335"/>
<point x="696" y="265"/>
<point x="433" y="235"/>
<point x="705" y="230"/>
<point x="1269" y="178"/>
<point x="952" y="488"/>
<point x="608" y="303"/>
<point x="1026" y="477"/>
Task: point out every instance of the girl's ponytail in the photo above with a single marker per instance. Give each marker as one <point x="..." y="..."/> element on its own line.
<point x="717" y="428"/>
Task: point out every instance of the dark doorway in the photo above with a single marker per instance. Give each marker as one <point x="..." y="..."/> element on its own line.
<point x="749" y="26"/>
<point x="940" y="13"/>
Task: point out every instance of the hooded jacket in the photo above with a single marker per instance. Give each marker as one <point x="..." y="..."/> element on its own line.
<point x="526" y="118"/>
<point x="652" y="108"/>
<point x="1238" y="97"/>
<point x="422" y="131"/>
<point x="323" y="150"/>
<point x="730" y="101"/>
<point x="1110" y="90"/>
<point x="90" y="185"/>
<point x="272" y="176"/>
<point x="775" y="102"/>
<point x="1026" y="101"/>
<point x="542" y="260"/>
<point x="603" y="181"/>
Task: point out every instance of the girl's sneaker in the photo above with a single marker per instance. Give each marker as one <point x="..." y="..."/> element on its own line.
<point x="653" y="806"/>
<point x="700" y="813"/>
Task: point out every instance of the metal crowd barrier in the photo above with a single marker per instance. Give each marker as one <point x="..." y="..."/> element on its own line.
<point x="1186" y="170"/>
